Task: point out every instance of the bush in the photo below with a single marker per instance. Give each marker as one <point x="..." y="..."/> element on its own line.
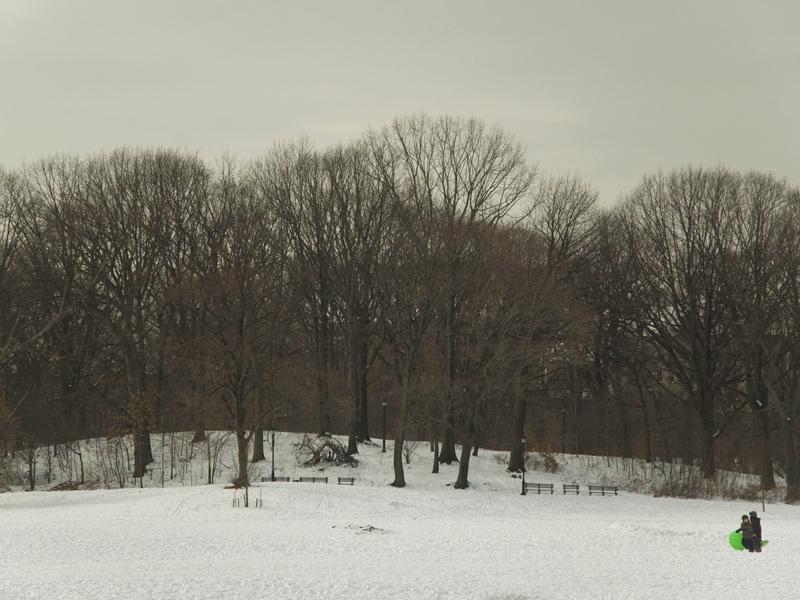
<point x="543" y="460"/>
<point x="313" y="452"/>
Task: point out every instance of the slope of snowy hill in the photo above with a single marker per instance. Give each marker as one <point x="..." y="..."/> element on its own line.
<point x="189" y="540"/>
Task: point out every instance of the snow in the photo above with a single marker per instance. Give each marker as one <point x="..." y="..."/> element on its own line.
<point x="370" y="540"/>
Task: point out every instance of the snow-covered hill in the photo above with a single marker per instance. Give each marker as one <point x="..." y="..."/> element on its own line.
<point x="313" y="540"/>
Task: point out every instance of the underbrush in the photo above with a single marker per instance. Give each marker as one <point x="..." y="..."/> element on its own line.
<point x="669" y="479"/>
<point x="543" y="459"/>
<point x="181" y="460"/>
<point x="108" y="463"/>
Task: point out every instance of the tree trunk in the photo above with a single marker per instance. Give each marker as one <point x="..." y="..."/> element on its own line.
<point x="578" y="398"/>
<point x="258" y="430"/>
<point x="399" y="440"/>
<point x="399" y="475"/>
<point x="242" y="444"/>
<point x="323" y="392"/>
<point x="515" y="460"/>
<point x="142" y="450"/>
<point x="767" y="472"/>
<point x="462" y="482"/>
<point x="648" y="444"/>
<point x="258" y="445"/>
<point x="758" y="398"/>
<point x="625" y="433"/>
<point x="448" y="454"/>
<point x="789" y="455"/>
<point x="138" y="411"/>
<point x="792" y="471"/>
<point x="707" y="463"/>
<point x="353" y="412"/>
<point x="363" y="416"/>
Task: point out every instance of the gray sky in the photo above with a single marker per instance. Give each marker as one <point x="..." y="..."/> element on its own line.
<point x="610" y="90"/>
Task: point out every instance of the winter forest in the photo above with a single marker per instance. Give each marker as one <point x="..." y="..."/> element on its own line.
<point x="426" y="280"/>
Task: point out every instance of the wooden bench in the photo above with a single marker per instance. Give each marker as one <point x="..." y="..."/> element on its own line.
<point x="347" y="480"/>
<point x="538" y="487"/>
<point x="276" y="479"/>
<point x="313" y="480"/>
<point x="603" y="490"/>
<point x="572" y="488"/>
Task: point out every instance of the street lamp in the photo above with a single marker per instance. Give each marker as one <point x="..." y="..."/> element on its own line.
<point x="563" y="431"/>
<point x="272" y="478"/>
<point x="384" y="425"/>
<point x="524" y="492"/>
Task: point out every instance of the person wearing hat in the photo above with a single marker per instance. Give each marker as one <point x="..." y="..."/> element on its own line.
<point x="747" y="533"/>
<point x="755" y="522"/>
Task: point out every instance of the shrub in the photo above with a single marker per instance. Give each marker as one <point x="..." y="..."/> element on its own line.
<point x="314" y="451"/>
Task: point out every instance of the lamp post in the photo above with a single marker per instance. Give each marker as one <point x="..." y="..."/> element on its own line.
<point x="384" y="425"/>
<point x="523" y="467"/>
<point x="563" y="431"/>
<point x="272" y="478"/>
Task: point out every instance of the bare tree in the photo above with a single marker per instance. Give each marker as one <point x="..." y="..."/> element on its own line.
<point x="760" y="228"/>
<point x="407" y="282"/>
<point x="563" y="239"/>
<point x="244" y="318"/>
<point x="780" y="343"/>
<point x="291" y="178"/>
<point x="37" y="279"/>
<point x="564" y="216"/>
<point x="615" y="377"/>
<point x="681" y="226"/>
<point x="520" y="323"/>
<point x="362" y="211"/>
<point x="10" y="288"/>
<point x="457" y="173"/>
<point x="126" y="228"/>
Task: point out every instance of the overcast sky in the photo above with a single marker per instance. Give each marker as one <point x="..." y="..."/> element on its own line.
<point x="610" y="90"/>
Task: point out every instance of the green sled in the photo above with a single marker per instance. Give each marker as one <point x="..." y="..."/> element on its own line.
<point x="735" y="539"/>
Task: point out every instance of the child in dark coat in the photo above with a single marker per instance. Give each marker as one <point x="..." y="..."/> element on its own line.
<point x="747" y="533"/>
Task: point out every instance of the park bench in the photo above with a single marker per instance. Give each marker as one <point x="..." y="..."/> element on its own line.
<point x="537" y="487"/>
<point x="603" y="490"/>
<point x="572" y="488"/>
<point x="347" y="480"/>
<point x="286" y="479"/>
<point x="313" y="480"/>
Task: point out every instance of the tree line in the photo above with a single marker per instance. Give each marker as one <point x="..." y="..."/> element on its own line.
<point x="425" y="275"/>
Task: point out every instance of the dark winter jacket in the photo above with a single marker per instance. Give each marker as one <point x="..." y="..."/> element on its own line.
<point x="747" y="530"/>
<point x="756" y="524"/>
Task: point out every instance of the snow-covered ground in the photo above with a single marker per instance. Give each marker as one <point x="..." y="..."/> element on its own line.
<point x="312" y="540"/>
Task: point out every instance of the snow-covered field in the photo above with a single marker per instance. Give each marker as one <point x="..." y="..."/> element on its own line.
<point x="312" y="540"/>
